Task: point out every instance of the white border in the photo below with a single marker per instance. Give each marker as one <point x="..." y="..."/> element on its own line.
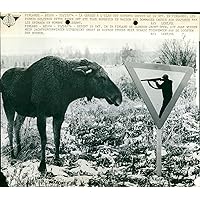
<point x="99" y="6"/>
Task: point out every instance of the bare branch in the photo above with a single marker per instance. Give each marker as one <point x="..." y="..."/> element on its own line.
<point x="178" y="52"/>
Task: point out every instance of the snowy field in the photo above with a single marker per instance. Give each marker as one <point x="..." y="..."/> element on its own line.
<point x="103" y="145"/>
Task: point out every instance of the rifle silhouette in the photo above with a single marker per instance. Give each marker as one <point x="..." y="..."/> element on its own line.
<point x="153" y="79"/>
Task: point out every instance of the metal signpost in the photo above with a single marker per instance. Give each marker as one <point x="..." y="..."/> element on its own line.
<point x="160" y="87"/>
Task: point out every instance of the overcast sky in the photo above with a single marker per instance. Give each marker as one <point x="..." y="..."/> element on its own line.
<point x="21" y="46"/>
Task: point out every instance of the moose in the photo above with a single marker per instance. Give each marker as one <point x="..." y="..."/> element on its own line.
<point x="45" y="89"/>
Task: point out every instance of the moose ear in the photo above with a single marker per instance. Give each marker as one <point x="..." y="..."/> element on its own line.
<point x="83" y="69"/>
<point x="85" y="62"/>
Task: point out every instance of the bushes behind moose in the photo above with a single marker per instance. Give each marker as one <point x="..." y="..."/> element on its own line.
<point x="46" y="89"/>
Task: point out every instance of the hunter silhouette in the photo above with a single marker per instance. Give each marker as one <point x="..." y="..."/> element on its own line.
<point x="166" y="88"/>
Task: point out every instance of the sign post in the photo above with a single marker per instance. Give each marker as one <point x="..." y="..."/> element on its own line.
<point x="158" y="152"/>
<point x="160" y="86"/>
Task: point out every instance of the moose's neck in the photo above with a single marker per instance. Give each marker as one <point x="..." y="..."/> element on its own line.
<point x="75" y="88"/>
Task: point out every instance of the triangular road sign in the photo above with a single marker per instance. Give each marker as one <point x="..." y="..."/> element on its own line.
<point x="161" y="95"/>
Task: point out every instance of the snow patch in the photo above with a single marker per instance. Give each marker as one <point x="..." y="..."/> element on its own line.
<point x="197" y="182"/>
<point x="83" y="167"/>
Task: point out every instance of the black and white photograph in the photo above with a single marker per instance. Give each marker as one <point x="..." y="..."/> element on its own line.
<point x="82" y="111"/>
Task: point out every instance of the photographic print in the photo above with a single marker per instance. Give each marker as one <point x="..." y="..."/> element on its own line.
<point x="99" y="100"/>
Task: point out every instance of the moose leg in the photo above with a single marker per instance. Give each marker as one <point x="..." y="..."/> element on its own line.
<point x="10" y="113"/>
<point x="57" y="123"/>
<point x="17" y="126"/>
<point x="41" y="124"/>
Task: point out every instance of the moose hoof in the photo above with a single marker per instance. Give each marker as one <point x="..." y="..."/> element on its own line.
<point x="42" y="168"/>
<point x="57" y="162"/>
<point x="13" y="161"/>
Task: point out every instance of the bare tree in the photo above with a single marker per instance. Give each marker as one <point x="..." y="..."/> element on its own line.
<point x="2" y="63"/>
<point x="132" y="54"/>
<point x="87" y="53"/>
<point x="178" y="52"/>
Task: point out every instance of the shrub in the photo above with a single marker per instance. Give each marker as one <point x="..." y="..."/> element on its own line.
<point x="128" y="88"/>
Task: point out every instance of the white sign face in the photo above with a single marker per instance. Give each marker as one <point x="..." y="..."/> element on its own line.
<point x="160" y="86"/>
<point x="152" y="93"/>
